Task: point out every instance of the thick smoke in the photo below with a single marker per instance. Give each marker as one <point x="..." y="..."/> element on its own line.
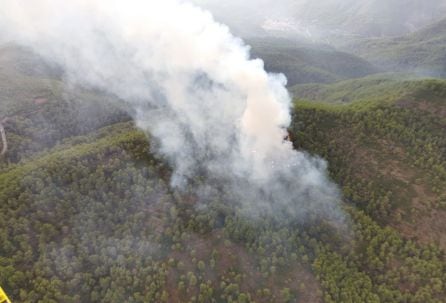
<point x="191" y="85"/>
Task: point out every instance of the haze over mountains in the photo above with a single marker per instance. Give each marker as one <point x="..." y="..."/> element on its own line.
<point x="422" y="52"/>
<point x="341" y="35"/>
<point x="327" y="20"/>
<point x="306" y="62"/>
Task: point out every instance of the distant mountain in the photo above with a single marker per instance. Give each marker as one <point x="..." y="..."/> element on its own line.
<point x="308" y="63"/>
<point x="326" y="20"/>
<point x="371" y="18"/>
<point x="423" y="52"/>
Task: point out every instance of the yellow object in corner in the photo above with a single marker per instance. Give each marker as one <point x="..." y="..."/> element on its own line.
<point x="3" y="297"/>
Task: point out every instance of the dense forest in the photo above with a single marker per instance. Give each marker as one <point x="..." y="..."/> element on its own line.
<point x="87" y="213"/>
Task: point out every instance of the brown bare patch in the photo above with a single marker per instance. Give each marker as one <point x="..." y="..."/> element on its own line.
<point x="427" y="222"/>
<point x="419" y="218"/>
<point x="424" y="221"/>
<point x="40" y="101"/>
<point x="234" y="258"/>
<point x="438" y="110"/>
<point x="303" y="282"/>
<point x="428" y="229"/>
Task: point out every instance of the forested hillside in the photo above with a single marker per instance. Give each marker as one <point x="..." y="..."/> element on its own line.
<point x="390" y="142"/>
<point x="87" y="213"/>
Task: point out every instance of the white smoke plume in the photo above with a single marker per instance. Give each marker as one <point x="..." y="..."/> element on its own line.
<point x="192" y="86"/>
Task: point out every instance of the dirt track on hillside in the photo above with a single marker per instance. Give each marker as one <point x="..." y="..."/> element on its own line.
<point x="3" y="138"/>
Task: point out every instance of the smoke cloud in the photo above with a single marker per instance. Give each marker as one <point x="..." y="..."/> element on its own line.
<point x="192" y="85"/>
